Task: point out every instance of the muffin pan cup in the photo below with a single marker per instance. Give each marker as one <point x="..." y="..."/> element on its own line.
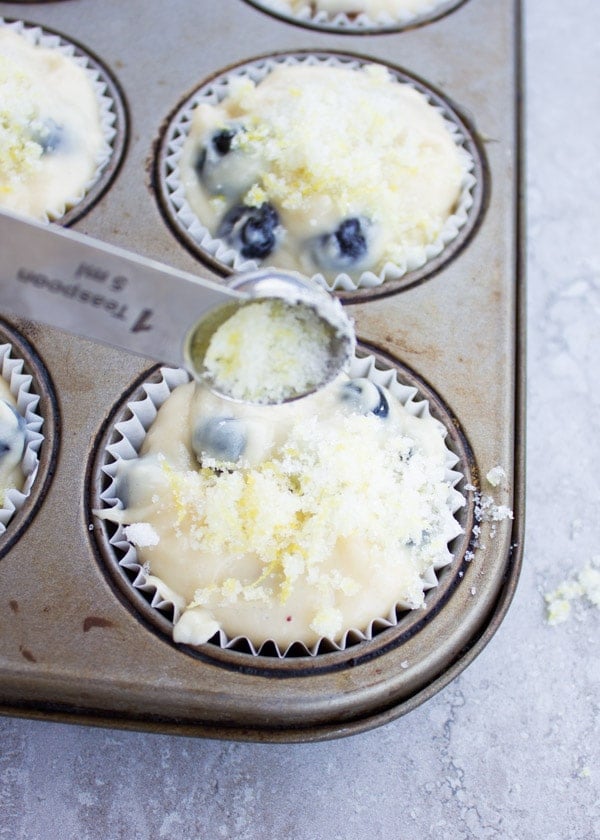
<point x="28" y="381"/>
<point x="72" y="645"/>
<point x="417" y="261"/>
<point x="127" y="432"/>
<point x="362" y="23"/>
<point x="111" y="111"/>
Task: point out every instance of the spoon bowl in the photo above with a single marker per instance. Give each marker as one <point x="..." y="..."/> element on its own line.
<point x="307" y="300"/>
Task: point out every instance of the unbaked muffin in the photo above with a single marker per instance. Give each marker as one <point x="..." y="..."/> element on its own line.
<point x="53" y="134"/>
<point x="294" y="523"/>
<point x="340" y="171"/>
<point x="20" y="434"/>
<point x="385" y="12"/>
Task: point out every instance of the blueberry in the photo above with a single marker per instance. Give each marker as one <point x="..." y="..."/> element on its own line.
<point x="50" y="135"/>
<point x="221" y="141"/>
<point x="251" y="230"/>
<point x="225" y="168"/>
<point x="364" y="397"/>
<point x="12" y="436"/>
<point x="218" y="146"/>
<point x="345" y="247"/>
<point x="351" y="239"/>
<point x="383" y="408"/>
<point x="221" y="438"/>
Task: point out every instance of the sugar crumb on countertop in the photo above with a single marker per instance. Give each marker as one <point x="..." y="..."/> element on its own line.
<point x="584" y="587"/>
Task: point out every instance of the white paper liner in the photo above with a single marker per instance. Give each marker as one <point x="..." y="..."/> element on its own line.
<point x="39" y="37"/>
<point x="358" y="23"/>
<point x="132" y="432"/>
<point x="193" y="228"/>
<point x="20" y="385"/>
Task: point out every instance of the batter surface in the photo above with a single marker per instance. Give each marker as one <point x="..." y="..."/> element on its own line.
<point x="393" y="8"/>
<point x="290" y="522"/>
<point x="50" y="131"/>
<point x="323" y="169"/>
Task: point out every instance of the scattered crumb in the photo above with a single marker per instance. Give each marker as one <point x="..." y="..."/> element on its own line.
<point x="486" y="510"/>
<point x="473" y="590"/>
<point x="584" y="586"/>
<point x="589" y="580"/>
<point x="492" y="512"/>
<point x="558" y="609"/>
<point x="142" y="534"/>
<point x="584" y="772"/>
<point x="404" y="664"/>
<point x="496" y="476"/>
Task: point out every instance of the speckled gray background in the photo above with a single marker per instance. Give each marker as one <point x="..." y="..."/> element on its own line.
<point x="511" y="748"/>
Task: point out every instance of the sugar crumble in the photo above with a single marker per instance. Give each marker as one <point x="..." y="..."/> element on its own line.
<point x="583" y="589"/>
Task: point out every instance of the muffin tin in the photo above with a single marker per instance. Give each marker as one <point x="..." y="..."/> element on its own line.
<point x="75" y="644"/>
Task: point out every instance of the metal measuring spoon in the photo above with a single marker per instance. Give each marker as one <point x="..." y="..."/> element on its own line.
<point x="107" y="294"/>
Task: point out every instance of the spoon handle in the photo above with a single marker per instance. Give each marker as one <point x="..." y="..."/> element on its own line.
<point x="100" y="292"/>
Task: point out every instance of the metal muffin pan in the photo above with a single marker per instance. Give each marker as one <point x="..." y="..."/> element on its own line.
<point x="72" y="645"/>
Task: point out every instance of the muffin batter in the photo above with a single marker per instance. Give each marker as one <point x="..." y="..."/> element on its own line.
<point x="323" y="169"/>
<point x="50" y="131"/>
<point x="290" y="522"/>
<point x="372" y="8"/>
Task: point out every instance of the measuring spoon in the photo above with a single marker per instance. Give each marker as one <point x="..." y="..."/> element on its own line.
<point x="107" y="294"/>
